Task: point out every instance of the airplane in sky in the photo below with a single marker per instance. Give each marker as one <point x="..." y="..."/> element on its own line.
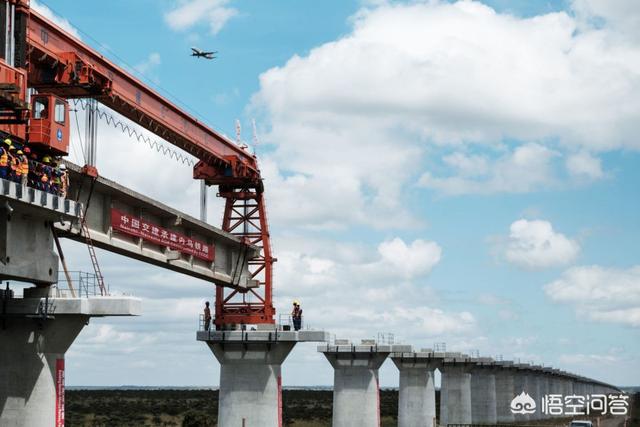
<point x="201" y="54"/>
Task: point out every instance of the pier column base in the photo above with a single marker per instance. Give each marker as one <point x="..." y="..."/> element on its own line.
<point x="32" y="369"/>
<point x="356" y="390"/>
<point x="250" y="373"/>
<point x="483" y="394"/>
<point x="35" y="334"/>
<point x="505" y="392"/>
<point x="417" y="393"/>
<point x="455" y="395"/>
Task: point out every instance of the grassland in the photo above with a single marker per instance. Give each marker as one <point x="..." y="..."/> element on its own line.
<point x="198" y="408"/>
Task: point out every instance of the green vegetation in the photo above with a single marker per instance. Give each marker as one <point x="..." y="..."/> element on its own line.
<point x="635" y="411"/>
<point x="197" y="408"/>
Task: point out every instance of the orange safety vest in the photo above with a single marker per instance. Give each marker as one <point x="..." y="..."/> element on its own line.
<point x="64" y="184"/>
<point x="16" y="167"/>
<point x="4" y="158"/>
<point x="25" y="165"/>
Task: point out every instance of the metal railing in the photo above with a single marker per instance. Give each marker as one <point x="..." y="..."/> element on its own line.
<point x="386" y="338"/>
<point x="85" y="285"/>
<point x="285" y="323"/>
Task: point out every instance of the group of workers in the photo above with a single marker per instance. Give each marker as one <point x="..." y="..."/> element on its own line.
<point x="296" y="316"/>
<point x="20" y="164"/>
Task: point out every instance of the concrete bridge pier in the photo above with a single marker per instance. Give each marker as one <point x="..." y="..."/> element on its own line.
<point x="417" y="393"/>
<point x="504" y="391"/>
<point x="455" y="393"/>
<point x="546" y="389"/>
<point x="568" y="384"/>
<point x="521" y="385"/>
<point x="483" y="392"/>
<point x="356" y="390"/>
<point x="36" y="333"/>
<point x="535" y="385"/>
<point x="250" y="373"/>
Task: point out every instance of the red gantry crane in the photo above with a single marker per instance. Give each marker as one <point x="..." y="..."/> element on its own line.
<point x="40" y="58"/>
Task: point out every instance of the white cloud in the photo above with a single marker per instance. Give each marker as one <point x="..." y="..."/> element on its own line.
<point x="527" y="168"/>
<point x="600" y="294"/>
<point x="356" y="291"/>
<point x="584" y="165"/>
<point x="107" y="334"/>
<point x="152" y="61"/>
<point x="588" y="359"/>
<point x="534" y="244"/>
<point x="352" y="120"/>
<point x="48" y="13"/>
<point x="412" y="260"/>
<point x="187" y="13"/>
<point x="620" y="15"/>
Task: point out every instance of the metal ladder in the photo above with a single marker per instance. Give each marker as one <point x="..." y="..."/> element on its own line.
<point x="94" y="258"/>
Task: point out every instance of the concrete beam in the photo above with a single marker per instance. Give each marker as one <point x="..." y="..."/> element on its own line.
<point x="26" y="242"/>
<point x="228" y="269"/>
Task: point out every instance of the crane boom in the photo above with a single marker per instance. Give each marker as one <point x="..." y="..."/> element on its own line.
<point x="60" y="66"/>
<point x="63" y="65"/>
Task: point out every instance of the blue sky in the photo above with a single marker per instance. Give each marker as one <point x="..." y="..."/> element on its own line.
<point x="450" y="172"/>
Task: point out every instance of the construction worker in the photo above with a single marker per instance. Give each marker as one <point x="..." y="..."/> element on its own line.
<point x="23" y="167"/>
<point x="64" y="181"/>
<point x="17" y="166"/>
<point x="207" y="316"/>
<point x="56" y="182"/>
<point x="13" y="164"/>
<point x="4" y="159"/>
<point x="296" y="316"/>
<point x="45" y="177"/>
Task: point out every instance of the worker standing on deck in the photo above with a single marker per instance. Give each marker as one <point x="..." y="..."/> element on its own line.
<point x="64" y="180"/>
<point x="207" y="316"/>
<point x="45" y="178"/>
<point x="56" y="182"/>
<point x="23" y="166"/>
<point x="296" y="316"/>
<point x="4" y="159"/>
<point x="13" y="164"/>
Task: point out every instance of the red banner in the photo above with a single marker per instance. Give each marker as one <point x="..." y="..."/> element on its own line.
<point x="60" y="393"/>
<point x="138" y="227"/>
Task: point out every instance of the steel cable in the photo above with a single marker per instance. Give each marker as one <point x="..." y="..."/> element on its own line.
<point x="133" y="132"/>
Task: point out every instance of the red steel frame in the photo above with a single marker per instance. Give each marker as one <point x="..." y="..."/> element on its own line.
<point x="64" y="66"/>
<point x="245" y="216"/>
